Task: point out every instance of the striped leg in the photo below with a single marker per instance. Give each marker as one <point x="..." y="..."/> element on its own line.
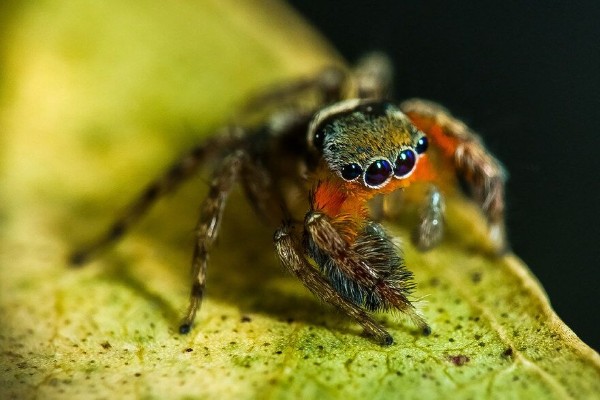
<point x="480" y="170"/>
<point x="183" y="169"/>
<point x="291" y="255"/>
<point x="207" y="229"/>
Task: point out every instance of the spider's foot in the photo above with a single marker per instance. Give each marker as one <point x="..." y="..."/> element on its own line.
<point x="381" y="338"/>
<point x="78" y="258"/>
<point x="426" y="330"/>
<point x="185" y="328"/>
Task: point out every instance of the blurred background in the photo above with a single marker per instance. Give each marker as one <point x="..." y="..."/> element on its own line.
<point x="526" y="76"/>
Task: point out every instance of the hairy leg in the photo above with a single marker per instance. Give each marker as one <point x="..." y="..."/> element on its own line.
<point x="262" y="193"/>
<point x="328" y="85"/>
<point x="373" y="76"/>
<point x="390" y="284"/>
<point x="291" y="254"/>
<point x="207" y="229"/>
<point x="181" y="170"/>
<point x="481" y="171"/>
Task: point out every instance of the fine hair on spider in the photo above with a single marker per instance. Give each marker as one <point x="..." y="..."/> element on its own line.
<point x="342" y="149"/>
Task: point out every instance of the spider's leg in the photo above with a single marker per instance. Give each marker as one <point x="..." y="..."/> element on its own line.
<point x="479" y="169"/>
<point x="181" y="170"/>
<point x="207" y="229"/>
<point x="383" y="287"/>
<point x="373" y="75"/>
<point x="430" y="230"/>
<point x="260" y="190"/>
<point x="328" y="84"/>
<point x="291" y="254"/>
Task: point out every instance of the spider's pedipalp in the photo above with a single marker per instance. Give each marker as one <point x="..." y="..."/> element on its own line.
<point x="430" y="230"/>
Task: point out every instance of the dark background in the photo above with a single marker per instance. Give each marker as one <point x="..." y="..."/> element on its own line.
<point x="526" y="76"/>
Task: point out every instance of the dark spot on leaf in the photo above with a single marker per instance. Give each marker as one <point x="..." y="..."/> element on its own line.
<point x="105" y="345"/>
<point x="138" y="374"/>
<point x="459" y="360"/>
<point x="246" y="318"/>
<point x="189" y="350"/>
<point x="476" y="277"/>
<point x="451" y="340"/>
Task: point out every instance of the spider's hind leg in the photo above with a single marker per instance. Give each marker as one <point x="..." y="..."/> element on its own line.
<point x="178" y="173"/>
<point x="373" y="75"/>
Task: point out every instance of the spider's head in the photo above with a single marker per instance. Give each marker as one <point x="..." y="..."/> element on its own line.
<point x="370" y="144"/>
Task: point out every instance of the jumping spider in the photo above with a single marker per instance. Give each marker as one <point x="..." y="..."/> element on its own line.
<point x="342" y="148"/>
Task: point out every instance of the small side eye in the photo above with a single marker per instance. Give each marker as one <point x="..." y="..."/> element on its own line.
<point x="422" y="145"/>
<point x="405" y="163"/>
<point x="377" y="173"/>
<point x="351" y="171"/>
<point x="318" y="139"/>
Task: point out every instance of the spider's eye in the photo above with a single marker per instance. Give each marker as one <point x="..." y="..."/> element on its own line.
<point x="351" y="171"/>
<point x="404" y="163"/>
<point x="422" y="145"/>
<point x="378" y="172"/>
<point x="319" y="138"/>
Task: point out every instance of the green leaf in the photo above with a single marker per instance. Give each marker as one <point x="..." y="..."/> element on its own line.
<point x="97" y="98"/>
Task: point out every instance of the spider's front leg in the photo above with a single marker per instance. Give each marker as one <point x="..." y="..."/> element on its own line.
<point x="362" y="263"/>
<point x="291" y="254"/>
<point x="481" y="171"/>
<point x="361" y="269"/>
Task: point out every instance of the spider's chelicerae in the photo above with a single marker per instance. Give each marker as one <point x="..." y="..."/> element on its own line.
<point x="342" y="148"/>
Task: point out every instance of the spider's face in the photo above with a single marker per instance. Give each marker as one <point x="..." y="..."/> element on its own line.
<point x="368" y="142"/>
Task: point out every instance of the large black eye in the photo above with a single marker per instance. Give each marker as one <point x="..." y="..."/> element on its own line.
<point x="404" y="163"/>
<point x="422" y="145"/>
<point x="378" y="172"/>
<point x="351" y="171"/>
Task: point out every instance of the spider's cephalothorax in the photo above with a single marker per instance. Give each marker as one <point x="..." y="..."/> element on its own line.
<point x="345" y="149"/>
